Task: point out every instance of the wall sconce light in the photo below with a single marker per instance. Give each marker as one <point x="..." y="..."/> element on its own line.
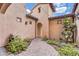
<point x="19" y="19"/>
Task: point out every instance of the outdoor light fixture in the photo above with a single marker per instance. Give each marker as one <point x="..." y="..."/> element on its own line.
<point x="19" y="19"/>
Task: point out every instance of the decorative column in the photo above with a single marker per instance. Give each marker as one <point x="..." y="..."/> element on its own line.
<point x="77" y="24"/>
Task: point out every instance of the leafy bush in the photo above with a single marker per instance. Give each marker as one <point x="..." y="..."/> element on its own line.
<point x="68" y="35"/>
<point x="52" y="42"/>
<point x="28" y="40"/>
<point x="69" y="28"/>
<point x="16" y="44"/>
<point x="66" y="21"/>
<point x="68" y="50"/>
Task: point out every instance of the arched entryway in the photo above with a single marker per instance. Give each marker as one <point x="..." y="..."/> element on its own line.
<point x="39" y="30"/>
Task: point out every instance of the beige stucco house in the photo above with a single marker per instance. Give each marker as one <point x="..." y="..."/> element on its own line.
<point x="14" y="20"/>
<point x="48" y="26"/>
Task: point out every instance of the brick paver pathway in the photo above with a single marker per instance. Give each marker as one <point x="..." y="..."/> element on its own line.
<point x="36" y="48"/>
<point x="39" y="48"/>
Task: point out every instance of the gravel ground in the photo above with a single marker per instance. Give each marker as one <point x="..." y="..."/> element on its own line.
<point x="36" y="48"/>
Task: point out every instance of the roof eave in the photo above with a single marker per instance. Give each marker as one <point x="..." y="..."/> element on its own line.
<point x="32" y="17"/>
<point x="52" y="7"/>
<point x="75" y="6"/>
<point x="59" y="17"/>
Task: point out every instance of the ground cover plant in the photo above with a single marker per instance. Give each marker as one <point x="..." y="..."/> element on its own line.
<point x="16" y="44"/>
<point x="63" y="48"/>
<point x="68" y="50"/>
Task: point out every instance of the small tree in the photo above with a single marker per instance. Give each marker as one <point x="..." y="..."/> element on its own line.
<point x="68" y="30"/>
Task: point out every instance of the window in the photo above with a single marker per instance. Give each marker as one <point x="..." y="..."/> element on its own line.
<point x="59" y="21"/>
<point x="25" y="22"/>
<point x="39" y="9"/>
<point x="45" y="10"/>
<point x="30" y="22"/>
<point x="19" y="19"/>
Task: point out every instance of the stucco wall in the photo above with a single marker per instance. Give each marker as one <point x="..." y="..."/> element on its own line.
<point x="77" y="23"/>
<point x="56" y="28"/>
<point x="77" y="10"/>
<point x="10" y="25"/>
<point x="42" y="18"/>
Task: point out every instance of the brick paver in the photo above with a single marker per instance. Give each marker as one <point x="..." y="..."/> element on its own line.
<point x="36" y="48"/>
<point x="40" y="48"/>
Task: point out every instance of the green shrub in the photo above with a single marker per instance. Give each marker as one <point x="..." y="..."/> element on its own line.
<point x="28" y="39"/>
<point x="69" y="28"/>
<point x="52" y="42"/>
<point x="16" y="44"/>
<point x="68" y="50"/>
<point x="45" y="38"/>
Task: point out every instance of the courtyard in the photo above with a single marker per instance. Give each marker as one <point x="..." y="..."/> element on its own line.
<point x="32" y="29"/>
<point x="36" y="48"/>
